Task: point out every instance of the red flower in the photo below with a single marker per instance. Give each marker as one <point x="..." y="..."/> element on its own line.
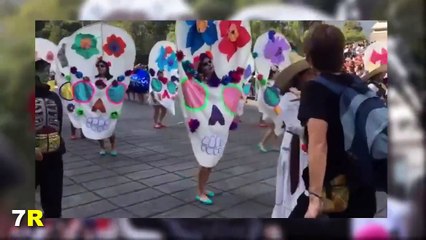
<point x="180" y="56"/>
<point x="163" y="80"/>
<point x="114" y="46"/>
<point x="234" y="36"/>
<point x="260" y="77"/>
<point x="304" y="148"/>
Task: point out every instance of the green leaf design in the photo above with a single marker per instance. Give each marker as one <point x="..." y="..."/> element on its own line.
<point x="85" y="45"/>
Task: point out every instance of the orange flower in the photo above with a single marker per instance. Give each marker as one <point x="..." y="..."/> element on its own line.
<point x="202" y="25"/>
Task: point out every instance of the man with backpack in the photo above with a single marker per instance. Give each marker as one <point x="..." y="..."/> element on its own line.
<point x="347" y="145"/>
<point x="49" y="148"/>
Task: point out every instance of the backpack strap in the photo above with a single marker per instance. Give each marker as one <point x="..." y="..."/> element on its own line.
<point x="332" y="86"/>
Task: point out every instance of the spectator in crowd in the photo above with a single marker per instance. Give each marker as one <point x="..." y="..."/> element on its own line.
<point x="319" y="113"/>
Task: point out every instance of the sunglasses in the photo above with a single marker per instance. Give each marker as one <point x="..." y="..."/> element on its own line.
<point x="207" y="63"/>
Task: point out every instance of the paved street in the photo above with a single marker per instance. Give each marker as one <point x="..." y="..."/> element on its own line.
<point x="154" y="173"/>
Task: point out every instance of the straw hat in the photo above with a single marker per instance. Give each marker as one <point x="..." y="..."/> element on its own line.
<point x="380" y="69"/>
<point x="297" y="65"/>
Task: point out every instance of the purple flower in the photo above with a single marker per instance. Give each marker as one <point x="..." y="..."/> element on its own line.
<point x="193" y="125"/>
<point x="275" y="47"/>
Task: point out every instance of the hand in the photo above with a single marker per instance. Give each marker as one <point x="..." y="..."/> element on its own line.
<point x="315" y="207"/>
<point x="38" y="154"/>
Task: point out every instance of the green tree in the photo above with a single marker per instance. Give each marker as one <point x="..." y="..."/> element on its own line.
<point x="219" y="9"/>
<point x="353" y="31"/>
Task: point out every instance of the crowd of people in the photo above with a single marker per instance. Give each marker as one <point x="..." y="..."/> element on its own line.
<point x="316" y="172"/>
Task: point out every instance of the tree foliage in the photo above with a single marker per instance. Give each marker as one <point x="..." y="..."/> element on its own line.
<point x="353" y="31"/>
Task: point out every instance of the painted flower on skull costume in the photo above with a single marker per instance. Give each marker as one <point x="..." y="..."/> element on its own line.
<point x="100" y="59"/>
<point x="210" y="105"/>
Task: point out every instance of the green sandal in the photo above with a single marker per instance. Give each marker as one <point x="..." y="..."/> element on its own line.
<point x="262" y="148"/>
<point x="210" y="194"/>
<point x="208" y="201"/>
<point x="113" y="153"/>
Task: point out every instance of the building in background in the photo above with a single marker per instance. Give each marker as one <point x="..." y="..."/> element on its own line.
<point x="380" y="32"/>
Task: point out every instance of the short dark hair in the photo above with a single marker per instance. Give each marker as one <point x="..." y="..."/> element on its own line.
<point x="324" y="46"/>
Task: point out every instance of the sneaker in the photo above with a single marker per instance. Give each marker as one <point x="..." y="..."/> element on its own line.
<point x="113" y="153"/>
<point x="157" y="126"/>
<point x="162" y="125"/>
<point x="73" y="137"/>
<point x="102" y="153"/>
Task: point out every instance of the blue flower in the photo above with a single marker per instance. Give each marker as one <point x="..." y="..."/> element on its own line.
<point x="200" y="33"/>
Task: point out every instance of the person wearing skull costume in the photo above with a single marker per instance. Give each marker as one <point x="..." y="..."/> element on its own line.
<point x="49" y="149"/>
<point x="269" y="134"/>
<point x="205" y="71"/>
<point x="103" y="69"/>
<point x="159" y="110"/>
<point x="293" y="158"/>
<point x="103" y="72"/>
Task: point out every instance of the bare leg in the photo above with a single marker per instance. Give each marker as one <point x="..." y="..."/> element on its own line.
<point x="163" y="112"/>
<point x="102" y="144"/>
<point x="203" y="177"/>
<point x="73" y="130"/>
<point x="112" y="142"/>
<point x="103" y="150"/>
<point x="156" y="114"/>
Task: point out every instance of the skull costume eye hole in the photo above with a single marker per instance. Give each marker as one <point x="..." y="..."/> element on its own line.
<point x="116" y="93"/>
<point x="231" y="95"/>
<point x="272" y="96"/>
<point x="83" y="91"/>
<point x="196" y="95"/>
<point x="172" y="87"/>
<point x="65" y="91"/>
<point x="156" y="85"/>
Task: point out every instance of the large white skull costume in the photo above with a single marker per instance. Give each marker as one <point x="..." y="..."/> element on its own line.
<point x="63" y="78"/>
<point x="162" y="58"/>
<point x="271" y="50"/>
<point x="210" y="107"/>
<point x="46" y="50"/>
<point x="98" y="99"/>
<point x="248" y="73"/>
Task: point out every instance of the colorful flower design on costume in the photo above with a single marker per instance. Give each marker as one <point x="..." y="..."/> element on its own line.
<point x="275" y="47"/>
<point x="114" y="46"/>
<point x="85" y="45"/>
<point x="234" y="36"/>
<point x="201" y="32"/>
<point x="167" y="60"/>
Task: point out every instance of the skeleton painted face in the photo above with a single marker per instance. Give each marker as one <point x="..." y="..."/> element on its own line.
<point x="211" y="105"/>
<point x="100" y="58"/>
<point x="164" y="70"/>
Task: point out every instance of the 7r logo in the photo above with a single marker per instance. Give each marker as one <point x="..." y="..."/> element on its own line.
<point x="33" y="216"/>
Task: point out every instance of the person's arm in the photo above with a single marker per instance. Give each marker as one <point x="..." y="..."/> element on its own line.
<point x="313" y="115"/>
<point x="317" y="131"/>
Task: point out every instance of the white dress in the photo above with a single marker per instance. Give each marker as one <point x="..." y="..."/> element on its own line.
<point x="285" y="202"/>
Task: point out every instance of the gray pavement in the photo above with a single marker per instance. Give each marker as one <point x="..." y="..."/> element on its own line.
<point x="154" y="174"/>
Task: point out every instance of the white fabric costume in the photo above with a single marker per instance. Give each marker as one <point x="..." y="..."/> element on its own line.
<point x="285" y="201"/>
